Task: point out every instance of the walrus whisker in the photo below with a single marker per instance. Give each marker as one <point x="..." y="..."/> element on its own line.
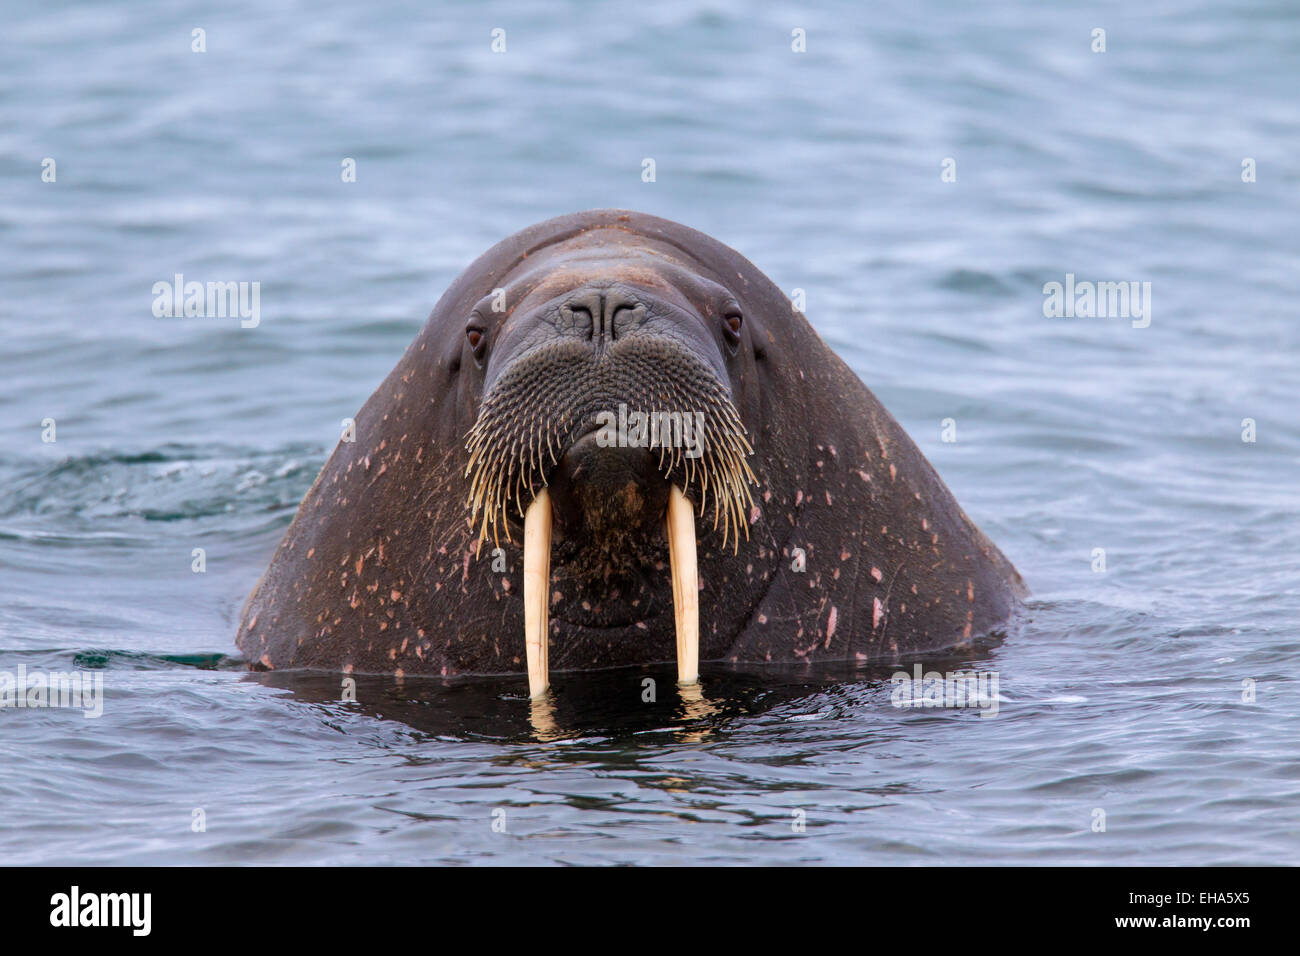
<point x="506" y="458"/>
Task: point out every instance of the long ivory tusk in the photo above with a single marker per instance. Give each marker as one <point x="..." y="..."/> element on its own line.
<point x="537" y="586"/>
<point x="686" y="584"/>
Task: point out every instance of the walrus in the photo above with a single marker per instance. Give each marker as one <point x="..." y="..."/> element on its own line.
<point x="615" y="442"/>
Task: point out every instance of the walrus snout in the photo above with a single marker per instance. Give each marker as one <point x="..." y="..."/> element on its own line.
<point x="661" y="411"/>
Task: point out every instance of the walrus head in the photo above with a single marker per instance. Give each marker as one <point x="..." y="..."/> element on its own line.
<point x="599" y="386"/>
<point x="607" y="419"/>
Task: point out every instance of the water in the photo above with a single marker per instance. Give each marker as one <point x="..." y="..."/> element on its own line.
<point x="1120" y="691"/>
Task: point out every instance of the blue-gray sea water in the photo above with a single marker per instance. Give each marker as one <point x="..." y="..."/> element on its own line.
<point x="921" y="171"/>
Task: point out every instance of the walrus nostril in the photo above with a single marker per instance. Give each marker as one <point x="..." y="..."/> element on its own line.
<point x="603" y="314"/>
<point x="578" y="318"/>
<point x="623" y="313"/>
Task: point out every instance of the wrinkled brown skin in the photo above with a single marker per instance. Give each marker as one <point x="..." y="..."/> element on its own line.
<point x="378" y="573"/>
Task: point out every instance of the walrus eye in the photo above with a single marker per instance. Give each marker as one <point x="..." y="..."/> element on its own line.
<point x="731" y="322"/>
<point x="477" y="342"/>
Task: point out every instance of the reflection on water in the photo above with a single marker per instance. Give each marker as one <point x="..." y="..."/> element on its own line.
<point x="614" y="704"/>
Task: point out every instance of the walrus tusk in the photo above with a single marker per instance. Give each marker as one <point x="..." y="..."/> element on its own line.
<point x="686" y="584"/>
<point x="537" y="586"/>
<point x="685" y="578"/>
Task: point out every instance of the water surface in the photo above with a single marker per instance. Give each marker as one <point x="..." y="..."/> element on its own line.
<point x="1120" y="691"/>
